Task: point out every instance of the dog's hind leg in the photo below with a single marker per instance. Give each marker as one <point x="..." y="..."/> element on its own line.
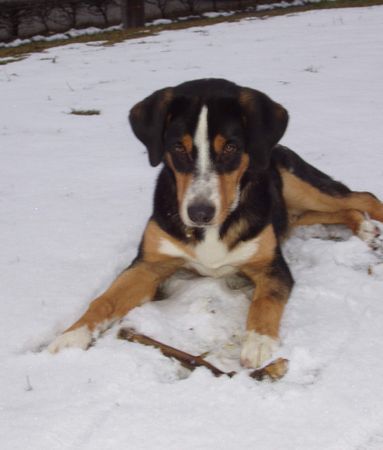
<point x="355" y="220"/>
<point x="313" y="197"/>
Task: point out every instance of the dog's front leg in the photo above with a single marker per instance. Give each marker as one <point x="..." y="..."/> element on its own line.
<point x="132" y="288"/>
<point x="273" y="284"/>
<point x="135" y="286"/>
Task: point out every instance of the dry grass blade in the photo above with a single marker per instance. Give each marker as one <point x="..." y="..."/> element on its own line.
<point x="85" y="112"/>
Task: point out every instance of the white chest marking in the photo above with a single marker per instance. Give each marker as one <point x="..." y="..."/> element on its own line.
<point x="211" y="256"/>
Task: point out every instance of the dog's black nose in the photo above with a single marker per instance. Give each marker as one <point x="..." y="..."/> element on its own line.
<point x="201" y="213"/>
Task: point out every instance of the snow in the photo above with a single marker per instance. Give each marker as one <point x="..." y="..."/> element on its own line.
<point x="74" y="32"/>
<point x="160" y="22"/>
<point x="75" y="194"/>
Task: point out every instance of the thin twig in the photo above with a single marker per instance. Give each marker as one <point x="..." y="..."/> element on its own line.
<point x="273" y="371"/>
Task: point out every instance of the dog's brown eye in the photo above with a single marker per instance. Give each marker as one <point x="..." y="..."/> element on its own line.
<point x="179" y="148"/>
<point x="229" y="148"/>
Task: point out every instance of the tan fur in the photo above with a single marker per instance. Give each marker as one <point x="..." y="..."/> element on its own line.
<point x="132" y="288"/>
<point x="270" y="295"/>
<point x="183" y="180"/>
<point x="218" y="143"/>
<point x="228" y="185"/>
<point x="349" y="217"/>
<point x="136" y="285"/>
<point x="187" y="142"/>
<point x="305" y="203"/>
<point x="268" y="303"/>
<point x="265" y="312"/>
<point x="239" y="227"/>
<point x="267" y="243"/>
<point x="139" y="283"/>
<point x="152" y="240"/>
<point x="302" y="196"/>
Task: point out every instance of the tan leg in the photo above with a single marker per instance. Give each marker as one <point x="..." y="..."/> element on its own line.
<point x="365" y="202"/>
<point x="272" y="289"/>
<point x="302" y="196"/>
<point x="132" y="288"/>
<point x="307" y="205"/>
<point x="352" y="218"/>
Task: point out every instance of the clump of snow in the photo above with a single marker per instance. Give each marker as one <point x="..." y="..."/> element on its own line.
<point x="75" y="194"/>
<point x="214" y="14"/>
<point x="284" y="4"/>
<point x="60" y="36"/>
<point x="160" y="22"/>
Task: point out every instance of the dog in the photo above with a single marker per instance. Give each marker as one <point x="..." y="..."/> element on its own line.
<point x="225" y="199"/>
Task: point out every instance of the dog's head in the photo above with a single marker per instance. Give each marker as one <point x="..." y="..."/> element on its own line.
<point x="209" y="132"/>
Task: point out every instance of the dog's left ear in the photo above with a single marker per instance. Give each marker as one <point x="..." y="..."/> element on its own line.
<point x="148" y="119"/>
<point x="265" y="123"/>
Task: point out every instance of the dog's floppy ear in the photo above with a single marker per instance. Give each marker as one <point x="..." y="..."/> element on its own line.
<point x="148" y="119"/>
<point x="265" y="123"/>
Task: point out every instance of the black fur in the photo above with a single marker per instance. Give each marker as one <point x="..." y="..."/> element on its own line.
<point x="287" y="159"/>
<point x="259" y="120"/>
<point x="252" y="123"/>
<point x="165" y="208"/>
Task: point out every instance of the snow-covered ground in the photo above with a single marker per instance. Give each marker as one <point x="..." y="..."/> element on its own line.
<point x="75" y="193"/>
<point x="76" y="32"/>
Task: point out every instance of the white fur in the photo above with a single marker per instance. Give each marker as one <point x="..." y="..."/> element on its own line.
<point x="201" y="141"/>
<point x="78" y="338"/>
<point x="368" y="232"/>
<point x="257" y="349"/>
<point x="205" y="184"/>
<point x="167" y="247"/>
<point x="211" y="256"/>
<point x="236" y="199"/>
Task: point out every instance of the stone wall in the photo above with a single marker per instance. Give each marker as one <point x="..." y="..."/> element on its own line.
<point x="23" y="19"/>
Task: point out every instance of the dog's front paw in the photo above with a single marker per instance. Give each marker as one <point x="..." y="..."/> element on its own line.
<point x="78" y="338"/>
<point x="257" y="349"/>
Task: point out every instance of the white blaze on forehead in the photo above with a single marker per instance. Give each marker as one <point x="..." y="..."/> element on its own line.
<point x="201" y="141"/>
<point x="204" y="186"/>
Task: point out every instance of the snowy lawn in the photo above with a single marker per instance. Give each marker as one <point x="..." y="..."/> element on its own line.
<point x="75" y="193"/>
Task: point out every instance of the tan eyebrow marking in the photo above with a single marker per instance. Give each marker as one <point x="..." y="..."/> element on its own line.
<point x="229" y="186"/>
<point x="183" y="180"/>
<point x="187" y="142"/>
<point x="219" y="142"/>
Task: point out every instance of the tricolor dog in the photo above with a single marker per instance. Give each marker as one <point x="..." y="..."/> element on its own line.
<point x="225" y="199"/>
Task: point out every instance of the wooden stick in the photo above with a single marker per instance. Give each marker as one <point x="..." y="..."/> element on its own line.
<point x="273" y="371"/>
